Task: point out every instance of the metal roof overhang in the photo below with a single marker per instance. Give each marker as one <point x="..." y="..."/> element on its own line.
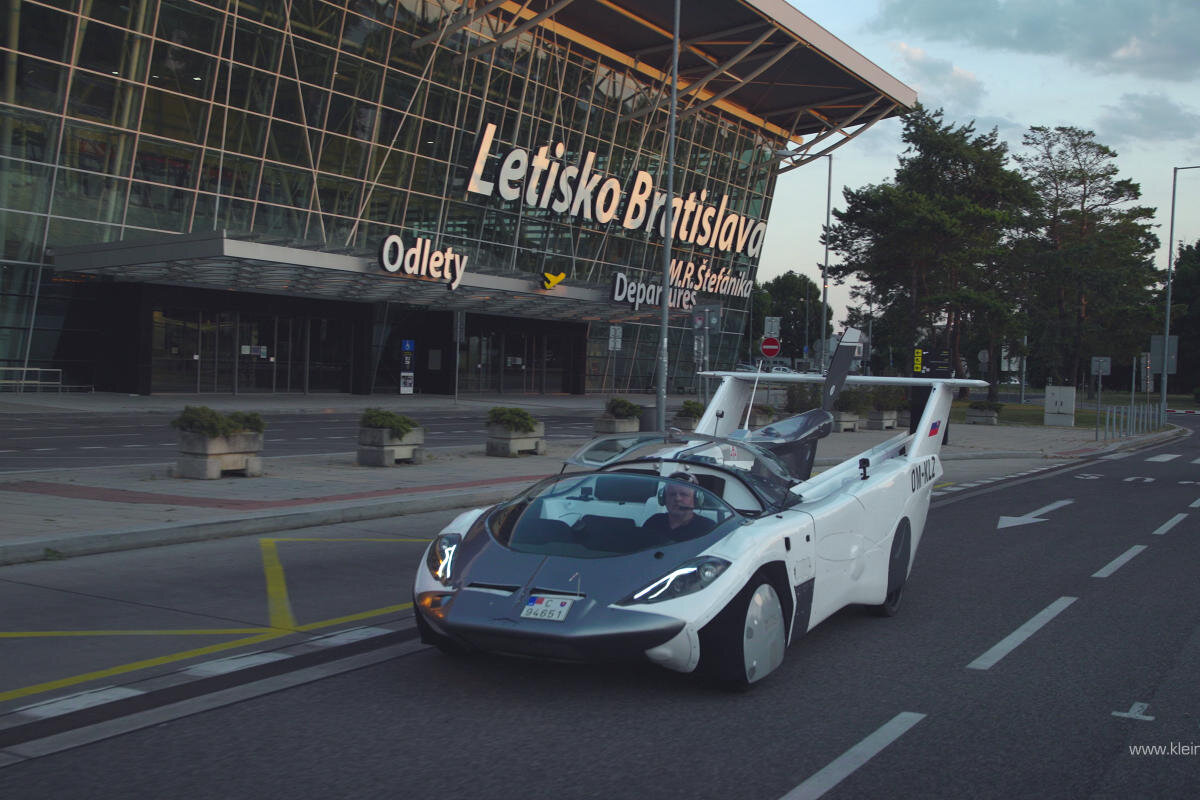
<point x="760" y="60"/>
<point x="215" y="260"/>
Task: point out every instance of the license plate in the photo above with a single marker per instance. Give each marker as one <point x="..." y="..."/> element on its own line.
<point x="553" y="609"/>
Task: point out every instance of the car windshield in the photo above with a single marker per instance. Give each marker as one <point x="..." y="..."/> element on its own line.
<point x="607" y="514"/>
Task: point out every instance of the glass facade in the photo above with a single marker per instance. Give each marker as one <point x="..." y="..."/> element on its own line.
<point x="322" y="125"/>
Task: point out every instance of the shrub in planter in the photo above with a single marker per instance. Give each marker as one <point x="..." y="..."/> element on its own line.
<point x="512" y="431"/>
<point x="802" y="397"/>
<point x="888" y="398"/>
<point x="385" y="437"/>
<point x="620" y="408"/>
<point x="761" y="414"/>
<point x="212" y="424"/>
<point x="692" y="408"/>
<point x="852" y="401"/>
<point x="398" y="424"/>
<point x="620" y="416"/>
<point x="517" y="420"/>
<point x="211" y="443"/>
<point x="983" y="412"/>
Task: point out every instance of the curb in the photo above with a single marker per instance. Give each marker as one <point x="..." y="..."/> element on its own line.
<point x="90" y="543"/>
<point x="81" y="544"/>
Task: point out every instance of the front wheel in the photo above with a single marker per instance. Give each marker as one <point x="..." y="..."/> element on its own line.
<point x="745" y="642"/>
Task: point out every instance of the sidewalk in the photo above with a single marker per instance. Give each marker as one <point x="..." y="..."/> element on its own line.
<point x="76" y="511"/>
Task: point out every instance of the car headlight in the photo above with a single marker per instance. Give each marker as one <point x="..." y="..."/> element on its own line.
<point x="690" y="576"/>
<point x="440" y="560"/>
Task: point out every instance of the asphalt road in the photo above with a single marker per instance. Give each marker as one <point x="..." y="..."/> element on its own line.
<point x="1051" y="624"/>
<point x="49" y="441"/>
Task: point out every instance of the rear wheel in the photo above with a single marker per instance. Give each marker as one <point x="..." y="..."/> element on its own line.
<point x="898" y="563"/>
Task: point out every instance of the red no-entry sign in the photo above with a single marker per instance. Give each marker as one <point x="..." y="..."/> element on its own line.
<point x="769" y="346"/>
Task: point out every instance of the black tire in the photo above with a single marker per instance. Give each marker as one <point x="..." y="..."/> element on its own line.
<point x="898" y="564"/>
<point x="746" y="641"/>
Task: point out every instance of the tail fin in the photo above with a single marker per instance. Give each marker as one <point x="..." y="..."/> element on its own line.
<point x="839" y="368"/>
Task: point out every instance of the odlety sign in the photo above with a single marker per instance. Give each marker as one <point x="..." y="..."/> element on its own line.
<point x="422" y="260"/>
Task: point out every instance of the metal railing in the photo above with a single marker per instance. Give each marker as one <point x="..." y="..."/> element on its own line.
<point x="1120" y="422"/>
<point x="30" y="379"/>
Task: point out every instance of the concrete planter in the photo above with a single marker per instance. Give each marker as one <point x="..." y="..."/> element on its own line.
<point x="759" y="419"/>
<point x="377" y="447"/>
<point x="615" y="425"/>
<point x="684" y="423"/>
<point x="976" y="416"/>
<point x="208" y="459"/>
<point x="845" y="421"/>
<point x="903" y="418"/>
<point x="881" y="420"/>
<point x="503" y="442"/>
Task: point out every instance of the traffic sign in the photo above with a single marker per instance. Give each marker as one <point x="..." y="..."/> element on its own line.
<point x="769" y="346"/>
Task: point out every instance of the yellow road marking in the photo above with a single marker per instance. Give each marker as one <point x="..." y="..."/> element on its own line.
<point x="161" y="632"/>
<point x="121" y="669"/>
<point x="302" y="539"/>
<point x="312" y="626"/>
<point x="279" y="607"/>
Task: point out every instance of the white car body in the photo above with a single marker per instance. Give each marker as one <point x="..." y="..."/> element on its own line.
<point x="846" y="536"/>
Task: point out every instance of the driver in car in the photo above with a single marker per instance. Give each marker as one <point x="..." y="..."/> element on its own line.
<point x="680" y="521"/>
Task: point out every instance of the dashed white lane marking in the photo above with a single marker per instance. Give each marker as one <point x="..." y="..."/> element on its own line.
<point x="133" y="445"/>
<point x="94" y="447"/>
<point x="1171" y="523"/>
<point x="337" y="437"/>
<point x="1164" y="457"/>
<point x="1195" y="503"/>
<point x="1116" y="456"/>
<point x="347" y="637"/>
<point x="75" y="702"/>
<point x="276" y="440"/>
<point x="1118" y="562"/>
<point x="43" y="449"/>
<point x="226" y="665"/>
<point x="1196" y="460"/>
<point x="305" y="438"/>
<point x="1014" y="639"/>
<point x="845" y="764"/>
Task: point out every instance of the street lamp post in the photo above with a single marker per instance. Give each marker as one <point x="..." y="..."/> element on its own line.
<point x="825" y="264"/>
<point x="1170" y="264"/>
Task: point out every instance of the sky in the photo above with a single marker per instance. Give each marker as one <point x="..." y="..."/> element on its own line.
<point x="1129" y="70"/>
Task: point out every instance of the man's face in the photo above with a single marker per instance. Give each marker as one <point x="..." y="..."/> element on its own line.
<point x="679" y="498"/>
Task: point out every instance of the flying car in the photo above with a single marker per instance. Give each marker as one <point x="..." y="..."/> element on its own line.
<point x="706" y="551"/>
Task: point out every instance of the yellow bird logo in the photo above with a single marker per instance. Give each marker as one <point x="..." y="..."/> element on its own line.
<point x="550" y="281"/>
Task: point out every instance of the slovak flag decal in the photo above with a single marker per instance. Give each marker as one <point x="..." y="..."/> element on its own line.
<point x="933" y="429"/>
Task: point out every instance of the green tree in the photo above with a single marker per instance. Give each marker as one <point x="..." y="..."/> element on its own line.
<point x="1091" y="260"/>
<point x="930" y="247"/>
<point x="1185" y="316"/>
<point x="796" y="300"/>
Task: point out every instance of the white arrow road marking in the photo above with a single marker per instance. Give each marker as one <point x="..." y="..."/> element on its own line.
<point x="1135" y="712"/>
<point x="1139" y="479"/>
<point x="1032" y="516"/>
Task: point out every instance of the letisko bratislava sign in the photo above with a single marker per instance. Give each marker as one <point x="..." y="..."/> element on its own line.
<point x="544" y="180"/>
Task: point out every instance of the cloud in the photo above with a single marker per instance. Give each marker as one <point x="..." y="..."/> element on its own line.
<point x="1147" y="118"/>
<point x="1149" y="38"/>
<point x="939" y="82"/>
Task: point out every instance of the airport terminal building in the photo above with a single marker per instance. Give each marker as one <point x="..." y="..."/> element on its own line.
<point x="398" y="195"/>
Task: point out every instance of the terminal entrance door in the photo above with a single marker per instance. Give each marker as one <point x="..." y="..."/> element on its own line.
<point x="227" y="351"/>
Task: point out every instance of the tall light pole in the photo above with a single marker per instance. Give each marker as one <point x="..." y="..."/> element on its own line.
<point x="1170" y="263"/>
<point x="825" y="265"/>
<point x="664" y="320"/>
